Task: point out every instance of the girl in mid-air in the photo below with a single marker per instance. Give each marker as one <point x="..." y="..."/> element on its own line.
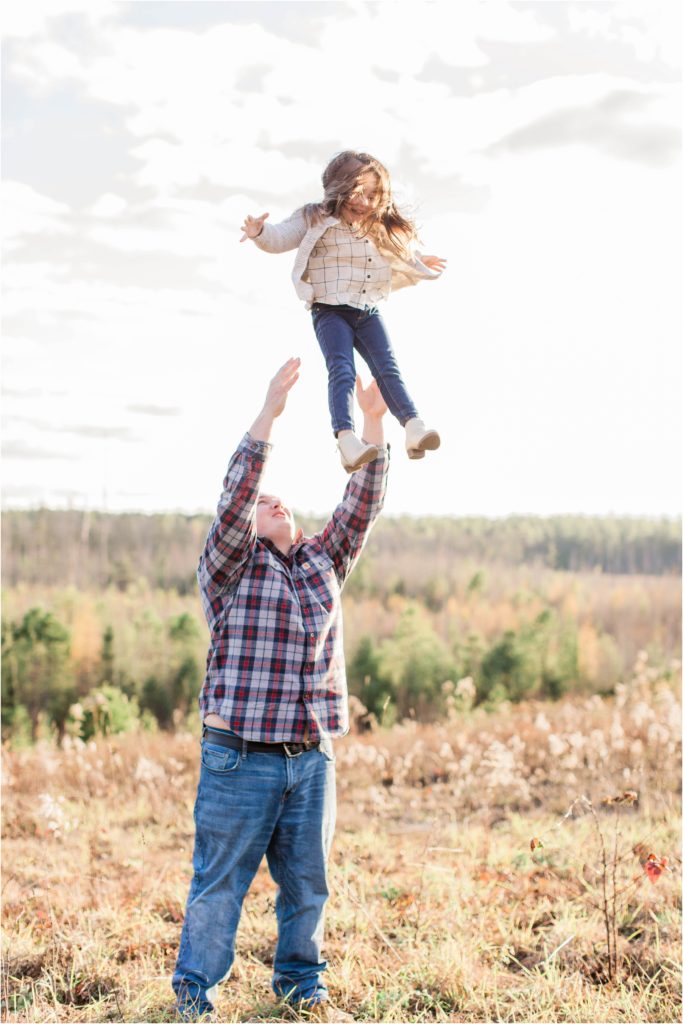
<point x="353" y="248"/>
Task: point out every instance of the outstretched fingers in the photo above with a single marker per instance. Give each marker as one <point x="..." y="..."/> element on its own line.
<point x="435" y="262"/>
<point x="280" y="386"/>
<point x="288" y="373"/>
<point x="253" y="226"/>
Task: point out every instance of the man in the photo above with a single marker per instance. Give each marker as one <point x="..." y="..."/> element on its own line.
<point x="274" y="695"/>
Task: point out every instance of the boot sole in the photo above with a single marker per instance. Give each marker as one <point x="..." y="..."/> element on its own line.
<point x="369" y="456"/>
<point x="429" y="443"/>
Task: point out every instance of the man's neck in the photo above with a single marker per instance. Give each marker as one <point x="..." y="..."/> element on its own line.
<point x="282" y="547"/>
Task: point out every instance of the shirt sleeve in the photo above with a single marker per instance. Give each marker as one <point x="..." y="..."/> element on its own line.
<point x="410" y="272"/>
<point x="345" y="534"/>
<point x="282" y="237"/>
<point x="232" y="536"/>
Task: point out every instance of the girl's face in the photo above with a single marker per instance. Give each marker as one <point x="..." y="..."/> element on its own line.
<point x="363" y="199"/>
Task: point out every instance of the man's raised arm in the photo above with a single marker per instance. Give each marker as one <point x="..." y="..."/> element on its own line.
<point x="233" y="533"/>
<point x="345" y="534"/>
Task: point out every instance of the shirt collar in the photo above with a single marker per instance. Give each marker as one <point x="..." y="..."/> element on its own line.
<point x="285" y="559"/>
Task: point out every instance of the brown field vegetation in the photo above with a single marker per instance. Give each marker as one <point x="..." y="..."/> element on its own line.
<point x="440" y="911"/>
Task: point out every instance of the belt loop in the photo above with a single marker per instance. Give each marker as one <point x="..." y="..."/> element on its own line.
<point x="244" y="748"/>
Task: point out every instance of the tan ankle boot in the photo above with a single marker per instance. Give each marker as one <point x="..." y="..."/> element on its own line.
<point x="419" y="439"/>
<point x="354" y="452"/>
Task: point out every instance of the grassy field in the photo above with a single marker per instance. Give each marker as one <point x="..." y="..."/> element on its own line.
<point x="440" y="909"/>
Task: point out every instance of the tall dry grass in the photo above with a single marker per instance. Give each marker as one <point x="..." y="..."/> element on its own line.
<point x="440" y="911"/>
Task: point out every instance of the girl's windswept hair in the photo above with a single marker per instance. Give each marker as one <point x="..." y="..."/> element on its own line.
<point x="389" y="228"/>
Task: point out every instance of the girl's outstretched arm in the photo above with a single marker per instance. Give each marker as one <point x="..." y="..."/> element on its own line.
<point x="288" y="234"/>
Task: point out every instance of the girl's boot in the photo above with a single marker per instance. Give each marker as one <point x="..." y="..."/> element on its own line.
<point x="354" y="452"/>
<point x="419" y="439"/>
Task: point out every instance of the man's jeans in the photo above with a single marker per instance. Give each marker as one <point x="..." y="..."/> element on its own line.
<point x="341" y="328"/>
<point x="247" y="807"/>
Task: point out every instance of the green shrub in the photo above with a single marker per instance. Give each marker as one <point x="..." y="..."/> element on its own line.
<point x="37" y="672"/>
<point x="105" y="712"/>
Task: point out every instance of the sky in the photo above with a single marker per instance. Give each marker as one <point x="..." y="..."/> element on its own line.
<point x="538" y="146"/>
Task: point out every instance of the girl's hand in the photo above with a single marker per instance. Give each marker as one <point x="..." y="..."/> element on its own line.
<point x="252" y="227"/>
<point x="434" y="263"/>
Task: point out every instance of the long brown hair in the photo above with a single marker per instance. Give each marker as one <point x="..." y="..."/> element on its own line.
<point x="385" y="223"/>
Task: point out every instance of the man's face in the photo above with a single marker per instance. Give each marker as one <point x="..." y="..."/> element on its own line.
<point x="275" y="521"/>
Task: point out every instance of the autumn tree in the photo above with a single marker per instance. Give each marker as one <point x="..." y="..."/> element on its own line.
<point x="37" y="672"/>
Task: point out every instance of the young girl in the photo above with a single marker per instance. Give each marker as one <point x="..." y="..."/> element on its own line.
<point x="354" y="247"/>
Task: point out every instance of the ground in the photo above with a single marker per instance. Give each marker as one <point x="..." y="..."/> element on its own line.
<point x="440" y="910"/>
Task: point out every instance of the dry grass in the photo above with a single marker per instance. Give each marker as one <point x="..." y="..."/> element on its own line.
<point x="440" y="912"/>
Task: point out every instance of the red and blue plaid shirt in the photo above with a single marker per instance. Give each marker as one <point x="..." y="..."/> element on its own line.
<point x="276" y="657"/>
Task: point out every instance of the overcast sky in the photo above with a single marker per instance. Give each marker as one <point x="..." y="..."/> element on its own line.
<point x="539" y="144"/>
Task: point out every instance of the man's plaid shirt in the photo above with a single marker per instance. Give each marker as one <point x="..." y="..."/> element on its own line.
<point x="276" y="657"/>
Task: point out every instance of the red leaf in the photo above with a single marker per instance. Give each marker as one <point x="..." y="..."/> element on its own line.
<point x="654" y="866"/>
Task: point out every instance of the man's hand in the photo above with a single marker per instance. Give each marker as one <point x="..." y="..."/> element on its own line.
<point x="252" y="227"/>
<point x="373" y="407"/>
<point x="370" y="399"/>
<point x="434" y="263"/>
<point x="276" y="399"/>
<point x="280" y="386"/>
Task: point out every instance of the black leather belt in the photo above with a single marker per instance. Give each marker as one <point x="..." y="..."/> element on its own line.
<point x="228" y="739"/>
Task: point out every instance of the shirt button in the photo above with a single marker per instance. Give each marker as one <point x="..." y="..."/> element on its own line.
<point x="363" y="291"/>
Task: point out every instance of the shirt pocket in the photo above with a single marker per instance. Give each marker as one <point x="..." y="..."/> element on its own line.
<point x="321" y="580"/>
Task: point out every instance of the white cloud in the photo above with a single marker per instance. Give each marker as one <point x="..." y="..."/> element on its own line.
<point x="652" y="29"/>
<point x="539" y="355"/>
<point x="37" y="18"/>
<point x="108" y="206"/>
<point x="179" y="87"/>
<point x="25" y="211"/>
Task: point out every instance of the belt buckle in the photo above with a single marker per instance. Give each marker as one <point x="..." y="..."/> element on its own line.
<point x="286" y="747"/>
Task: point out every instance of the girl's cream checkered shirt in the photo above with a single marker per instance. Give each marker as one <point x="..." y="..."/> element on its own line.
<point x="295" y="233"/>
<point x="346" y="269"/>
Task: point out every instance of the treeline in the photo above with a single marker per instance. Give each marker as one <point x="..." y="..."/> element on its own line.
<point x="92" y="550"/>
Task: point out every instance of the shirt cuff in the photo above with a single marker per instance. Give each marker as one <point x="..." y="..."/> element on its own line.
<point x="256" y="447"/>
<point x="382" y="449"/>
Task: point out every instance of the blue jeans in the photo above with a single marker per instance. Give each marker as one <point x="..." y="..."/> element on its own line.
<point x="340" y="329"/>
<point x="247" y="807"/>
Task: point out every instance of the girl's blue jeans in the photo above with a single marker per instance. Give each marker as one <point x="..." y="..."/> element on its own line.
<point x="340" y="330"/>
<point x="247" y="807"/>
